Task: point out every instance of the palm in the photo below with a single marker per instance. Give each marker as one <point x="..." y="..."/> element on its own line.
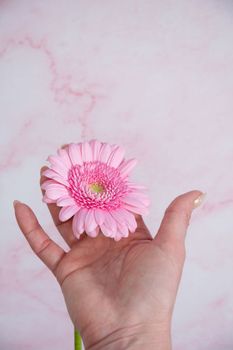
<point x="115" y="279"/>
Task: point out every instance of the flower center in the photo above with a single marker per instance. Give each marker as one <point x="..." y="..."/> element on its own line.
<point x="96" y="187"/>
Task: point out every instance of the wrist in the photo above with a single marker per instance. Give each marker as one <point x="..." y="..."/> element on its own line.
<point x="136" y="337"/>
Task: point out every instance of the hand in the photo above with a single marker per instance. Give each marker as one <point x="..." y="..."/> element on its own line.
<point x="118" y="294"/>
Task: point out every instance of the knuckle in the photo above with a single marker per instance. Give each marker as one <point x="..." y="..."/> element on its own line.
<point x="46" y="243"/>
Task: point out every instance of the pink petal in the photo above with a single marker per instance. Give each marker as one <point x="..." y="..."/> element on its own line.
<point x="86" y="152"/>
<point x="117" y="237"/>
<point x="135" y="201"/>
<point x="129" y="218"/>
<point x="136" y="210"/>
<point x="54" y="191"/>
<point x="67" y="212"/>
<point x="105" y="152"/>
<point x="110" y="222"/>
<point x="123" y="230"/>
<point x="47" y="200"/>
<point x="127" y="166"/>
<point x="95" y="146"/>
<point x="79" y="221"/>
<point x="75" y="154"/>
<point x="136" y="187"/>
<point x="139" y="196"/>
<point x="116" y="157"/>
<point x="64" y="157"/>
<point x="65" y="201"/>
<point x="55" y="176"/>
<point x="99" y="216"/>
<point x="45" y="184"/>
<point x="106" y="231"/>
<point x="90" y="223"/>
<point x="124" y="217"/>
<point x="76" y="234"/>
<point x="94" y="233"/>
<point x="58" y="166"/>
<point x="74" y="225"/>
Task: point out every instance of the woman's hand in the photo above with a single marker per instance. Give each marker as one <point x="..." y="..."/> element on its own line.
<point x="119" y="295"/>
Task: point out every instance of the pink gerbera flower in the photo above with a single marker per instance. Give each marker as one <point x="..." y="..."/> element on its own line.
<point x="89" y="181"/>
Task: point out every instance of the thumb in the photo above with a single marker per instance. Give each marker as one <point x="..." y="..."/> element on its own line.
<point x="172" y="230"/>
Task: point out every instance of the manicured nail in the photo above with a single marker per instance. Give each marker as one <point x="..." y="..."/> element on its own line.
<point x="15" y="202"/>
<point x="199" y="200"/>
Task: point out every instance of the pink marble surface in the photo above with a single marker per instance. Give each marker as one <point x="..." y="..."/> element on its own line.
<point x="154" y="76"/>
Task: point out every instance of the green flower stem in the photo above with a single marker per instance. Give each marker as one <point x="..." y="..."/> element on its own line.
<point x="77" y="341"/>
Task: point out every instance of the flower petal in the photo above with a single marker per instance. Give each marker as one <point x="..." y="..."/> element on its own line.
<point x="75" y="154"/>
<point x="135" y="200"/>
<point x="90" y="222"/>
<point x="127" y="166"/>
<point x="136" y="210"/>
<point x="117" y="237"/>
<point x="67" y="212"/>
<point x="99" y="216"/>
<point x="55" y="190"/>
<point x="86" y="152"/>
<point x="105" y="152"/>
<point x="75" y="223"/>
<point x="79" y="221"/>
<point x="45" y="184"/>
<point x="140" y="196"/>
<point x="124" y="217"/>
<point x="55" y="176"/>
<point x="95" y="232"/>
<point x="123" y="229"/>
<point x="110" y="222"/>
<point x="95" y="146"/>
<point x="135" y="186"/>
<point x="106" y="231"/>
<point x="116" y="157"/>
<point x="58" y="166"/>
<point x="47" y="200"/>
<point x="64" y="157"/>
<point x="65" y="201"/>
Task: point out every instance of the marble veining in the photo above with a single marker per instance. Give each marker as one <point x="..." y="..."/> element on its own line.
<point x="153" y="76"/>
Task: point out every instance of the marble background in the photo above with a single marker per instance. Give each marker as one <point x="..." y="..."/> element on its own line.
<point x="153" y="76"/>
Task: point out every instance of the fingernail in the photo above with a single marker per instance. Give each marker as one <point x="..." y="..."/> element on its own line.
<point x="15" y="202"/>
<point x="199" y="200"/>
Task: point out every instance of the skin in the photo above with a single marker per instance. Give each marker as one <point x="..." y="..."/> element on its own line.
<point x="119" y="295"/>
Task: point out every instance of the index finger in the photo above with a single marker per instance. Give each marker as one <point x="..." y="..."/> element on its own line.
<point x="43" y="246"/>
